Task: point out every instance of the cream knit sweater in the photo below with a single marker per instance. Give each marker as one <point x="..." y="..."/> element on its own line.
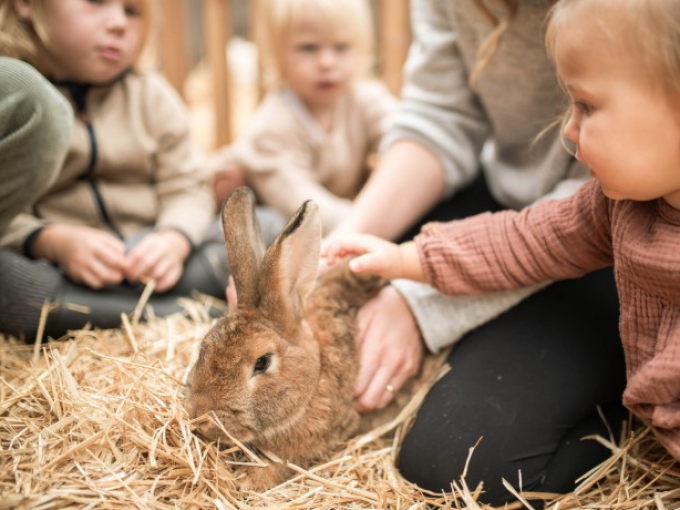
<point x="289" y="158"/>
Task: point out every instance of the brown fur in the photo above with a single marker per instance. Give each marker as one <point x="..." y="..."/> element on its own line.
<point x="300" y="408"/>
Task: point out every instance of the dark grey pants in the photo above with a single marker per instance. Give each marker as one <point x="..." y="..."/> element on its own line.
<point x="26" y="284"/>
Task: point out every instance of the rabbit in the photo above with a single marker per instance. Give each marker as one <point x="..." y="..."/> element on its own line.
<point x="279" y="371"/>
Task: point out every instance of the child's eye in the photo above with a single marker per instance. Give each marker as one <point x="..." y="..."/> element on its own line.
<point x="308" y="47"/>
<point x="583" y="107"/>
<point x="132" y="9"/>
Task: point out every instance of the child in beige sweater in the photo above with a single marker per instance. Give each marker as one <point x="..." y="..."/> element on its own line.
<point x="312" y="134"/>
<point x="128" y="205"/>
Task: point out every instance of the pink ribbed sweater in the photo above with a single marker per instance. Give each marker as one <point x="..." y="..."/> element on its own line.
<point x="559" y="239"/>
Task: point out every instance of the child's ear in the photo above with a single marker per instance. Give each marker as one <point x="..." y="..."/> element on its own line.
<point x="24" y="9"/>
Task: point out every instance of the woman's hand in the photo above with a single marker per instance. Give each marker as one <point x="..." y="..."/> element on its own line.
<point x="87" y="255"/>
<point x="390" y="349"/>
<point x="159" y="256"/>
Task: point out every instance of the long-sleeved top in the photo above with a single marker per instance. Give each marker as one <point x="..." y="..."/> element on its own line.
<point x="568" y="238"/>
<point x="130" y="166"/>
<point x="289" y="158"/>
<point x="492" y="127"/>
<point x="35" y="128"/>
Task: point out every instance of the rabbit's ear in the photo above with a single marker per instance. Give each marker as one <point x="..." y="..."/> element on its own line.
<point x="245" y="247"/>
<point x="288" y="272"/>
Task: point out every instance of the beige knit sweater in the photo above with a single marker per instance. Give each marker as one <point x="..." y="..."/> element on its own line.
<point x="567" y="238"/>
<point x="289" y="158"/>
<point x="130" y="167"/>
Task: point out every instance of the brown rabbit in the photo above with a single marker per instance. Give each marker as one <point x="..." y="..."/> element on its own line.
<point x="279" y="371"/>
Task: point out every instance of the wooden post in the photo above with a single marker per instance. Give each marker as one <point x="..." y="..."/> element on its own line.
<point x="395" y="38"/>
<point x="217" y="23"/>
<point x="172" y="44"/>
<point x="252" y="36"/>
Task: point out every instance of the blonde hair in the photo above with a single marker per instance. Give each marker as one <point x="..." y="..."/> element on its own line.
<point x="653" y="36"/>
<point x="27" y="41"/>
<point x="489" y="47"/>
<point x="276" y="19"/>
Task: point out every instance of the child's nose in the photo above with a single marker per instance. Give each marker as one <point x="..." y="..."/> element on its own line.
<point x="327" y="58"/>
<point x="117" y="17"/>
<point x="572" y="126"/>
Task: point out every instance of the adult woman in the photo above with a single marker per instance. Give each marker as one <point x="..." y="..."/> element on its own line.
<point x="528" y="382"/>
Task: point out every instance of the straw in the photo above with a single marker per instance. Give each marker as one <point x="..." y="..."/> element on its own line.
<point x="96" y="420"/>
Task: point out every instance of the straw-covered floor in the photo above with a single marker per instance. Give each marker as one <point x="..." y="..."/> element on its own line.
<point x="96" y="421"/>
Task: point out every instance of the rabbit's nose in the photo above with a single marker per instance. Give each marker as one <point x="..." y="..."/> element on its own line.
<point x="191" y="411"/>
<point x="194" y="405"/>
<point x="197" y="405"/>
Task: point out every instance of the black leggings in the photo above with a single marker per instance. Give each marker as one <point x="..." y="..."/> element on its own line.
<point x="528" y="383"/>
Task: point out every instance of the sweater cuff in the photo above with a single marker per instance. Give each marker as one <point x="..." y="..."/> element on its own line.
<point x="27" y="246"/>
<point x="453" y="180"/>
<point x="419" y="297"/>
<point x="444" y="320"/>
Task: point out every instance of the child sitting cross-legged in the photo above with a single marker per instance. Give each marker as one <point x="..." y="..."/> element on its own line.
<point x="321" y="119"/>
<point x="128" y="205"/>
<point x="625" y="125"/>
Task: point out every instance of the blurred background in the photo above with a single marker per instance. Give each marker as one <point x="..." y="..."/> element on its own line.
<point x="205" y="49"/>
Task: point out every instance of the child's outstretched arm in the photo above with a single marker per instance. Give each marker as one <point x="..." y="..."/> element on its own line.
<point x="376" y="255"/>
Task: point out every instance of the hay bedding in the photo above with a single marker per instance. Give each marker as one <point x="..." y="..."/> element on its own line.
<point x="96" y="421"/>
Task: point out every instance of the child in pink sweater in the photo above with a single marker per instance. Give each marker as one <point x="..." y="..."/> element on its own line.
<point x="625" y="127"/>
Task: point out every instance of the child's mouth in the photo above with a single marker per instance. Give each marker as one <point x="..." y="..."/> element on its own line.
<point x="110" y="53"/>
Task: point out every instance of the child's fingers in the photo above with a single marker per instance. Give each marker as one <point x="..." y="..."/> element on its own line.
<point x="169" y="278"/>
<point x="97" y="275"/>
<point x="140" y="262"/>
<point x="161" y="269"/>
<point x="349" y="245"/>
<point x="115" y="260"/>
<point x="331" y="251"/>
<point x="369" y="263"/>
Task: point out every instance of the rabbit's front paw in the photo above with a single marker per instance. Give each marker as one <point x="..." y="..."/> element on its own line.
<point x="260" y="479"/>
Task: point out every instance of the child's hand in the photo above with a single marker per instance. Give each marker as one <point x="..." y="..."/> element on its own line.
<point x="87" y="255"/>
<point x="232" y="298"/>
<point x="226" y="181"/>
<point x="159" y="256"/>
<point x="376" y="256"/>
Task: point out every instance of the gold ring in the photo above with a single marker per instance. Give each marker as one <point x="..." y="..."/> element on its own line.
<point x="391" y="389"/>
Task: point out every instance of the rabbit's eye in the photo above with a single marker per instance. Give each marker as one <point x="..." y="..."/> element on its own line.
<point x="262" y="363"/>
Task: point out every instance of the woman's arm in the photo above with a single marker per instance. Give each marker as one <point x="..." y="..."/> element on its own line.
<point x="434" y="140"/>
<point x="407" y="182"/>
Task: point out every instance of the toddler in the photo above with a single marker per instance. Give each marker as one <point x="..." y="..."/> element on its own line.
<point x="127" y="205"/>
<point x="625" y="127"/>
<point x="312" y="133"/>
